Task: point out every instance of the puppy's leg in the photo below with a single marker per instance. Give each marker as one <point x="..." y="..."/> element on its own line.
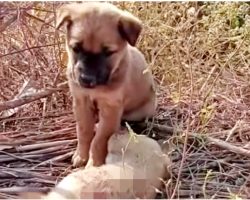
<point x="85" y="122"/>
<point x="110" y="118"/>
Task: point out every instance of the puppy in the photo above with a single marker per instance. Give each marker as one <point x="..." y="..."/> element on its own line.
<point x="134" y="169"/>
<point x="106" y="74"/>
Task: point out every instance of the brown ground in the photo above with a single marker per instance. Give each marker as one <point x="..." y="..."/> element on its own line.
<point x="200" y="56"/>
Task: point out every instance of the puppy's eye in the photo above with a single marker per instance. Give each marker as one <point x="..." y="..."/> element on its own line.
<point x="77" y="47"/>
<point x="108" y="52"/>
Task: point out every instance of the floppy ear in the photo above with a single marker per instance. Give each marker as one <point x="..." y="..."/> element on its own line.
<point x="62" y="16"/>
<point x="129" y="27"/>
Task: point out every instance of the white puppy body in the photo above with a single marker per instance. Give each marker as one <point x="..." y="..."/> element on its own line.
<point x="134" y="168"/>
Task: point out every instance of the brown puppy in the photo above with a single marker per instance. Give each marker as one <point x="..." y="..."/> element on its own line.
<point x="105" y="73"/>
<point x="134" y="168"/>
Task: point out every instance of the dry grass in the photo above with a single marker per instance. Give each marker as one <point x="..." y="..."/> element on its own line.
<point x="200" y="56"/>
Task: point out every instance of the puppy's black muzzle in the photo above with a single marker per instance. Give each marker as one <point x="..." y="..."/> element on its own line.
<point x="93" y="69"/>
<point x="87" y="81"/>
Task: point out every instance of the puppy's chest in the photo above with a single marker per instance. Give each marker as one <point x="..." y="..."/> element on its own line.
<point x="103" y="103"/>
<point x="107" y="97"/>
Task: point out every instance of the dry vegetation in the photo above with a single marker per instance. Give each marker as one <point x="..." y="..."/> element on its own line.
<point x="200" y="56"/>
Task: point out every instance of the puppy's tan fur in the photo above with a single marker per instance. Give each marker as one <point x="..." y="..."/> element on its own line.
<point x="129" y="94"/>
<point x="134" y="169"/>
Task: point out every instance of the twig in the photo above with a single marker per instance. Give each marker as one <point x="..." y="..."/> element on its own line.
<point x="44" y="151"/>
<point x="26" y="49"/>
<point x="44" y="145"/>
<point x="221" y="70"/>
<point x="27" y="174"/>
<point x="233" y="130"/>
<point x="35" y="117"/>
<point x="218" y="142"/>
<point x="223" y="144"/>
<point x="228" y="146"/>
<point x="29" y="98"/>
<point x="22" y="189"/>
<point x="8" y="23"/>
<point x="226" y="132"/>
<point x="62" y="133"/>
<point x="7" y="196"/>
<point x="205" y="183"/>
<point x="25" y="158"/>
<point x="208" y="78"/>
<point x="55" y="159"/>
<point x="184" y="152"/>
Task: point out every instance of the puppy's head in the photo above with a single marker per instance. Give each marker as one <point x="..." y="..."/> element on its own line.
<point x="97" y="36"/>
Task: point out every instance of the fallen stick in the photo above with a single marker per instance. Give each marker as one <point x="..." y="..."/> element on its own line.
<point x="45" y="150"/>
<point x="29" y="98"/>
<point x="228" y="146"/>
<point x="45" y="145"/>
<point x="12" y="157"/>
<point x="223" y="144"/>
<point x="220" y="143"/>
<point x="22" y="189"/>
<point x="62" y="157"/>
<point x="39" y="180"/>
<point x="6" y="196"/>
<point x="48" y="135"/>
<point x="35" y="158"/>
<point x="36" y="117"/>
<point x="55" y="159"/>
<point x="25" y="174"/>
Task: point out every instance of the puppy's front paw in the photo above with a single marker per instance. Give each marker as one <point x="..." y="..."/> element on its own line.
<point x="89" y="163"/>
<point x="77" y="160"/>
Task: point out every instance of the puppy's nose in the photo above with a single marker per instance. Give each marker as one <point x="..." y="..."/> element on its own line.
<point x="87" y="80"/>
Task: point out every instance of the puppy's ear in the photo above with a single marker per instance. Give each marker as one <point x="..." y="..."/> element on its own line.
<point x="129" y="27"/>
<point x="63" y="16"/>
